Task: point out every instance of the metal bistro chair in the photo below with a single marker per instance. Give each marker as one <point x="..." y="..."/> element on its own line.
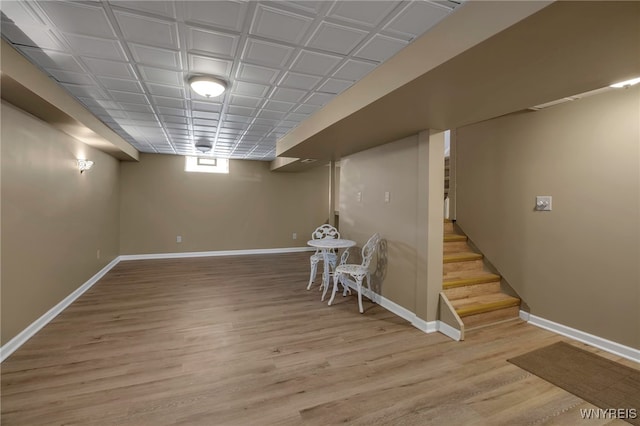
<point x="358" y="272"/>
<point x="324" y="231"/>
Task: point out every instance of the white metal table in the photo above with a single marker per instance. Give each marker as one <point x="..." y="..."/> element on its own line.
<point x="326" y="245"/>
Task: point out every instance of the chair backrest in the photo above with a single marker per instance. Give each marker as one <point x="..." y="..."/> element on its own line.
<point x="325" y="231"/>
<point x="369" y="249"/>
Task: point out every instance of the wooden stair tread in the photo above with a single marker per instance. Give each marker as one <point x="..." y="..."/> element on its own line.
<point x="476" y="278"/>
<point x="461" y="257"/>
<point x="450" y="237"/>
<point x="483" y="303"/>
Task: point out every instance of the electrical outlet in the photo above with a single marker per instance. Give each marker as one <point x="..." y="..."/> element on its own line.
<point x="179" y="239"/>
<point x="295" y="236"/>
<point x="359" y="196"/>
<point x="98" y="254"/>
<point x="387" y="197"/>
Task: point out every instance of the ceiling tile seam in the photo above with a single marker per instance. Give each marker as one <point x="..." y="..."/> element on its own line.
<point x="118" y="31"/>
<point x="248" y="19"/>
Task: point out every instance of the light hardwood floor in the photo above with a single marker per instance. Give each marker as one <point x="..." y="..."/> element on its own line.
<point x="239" y="341"/>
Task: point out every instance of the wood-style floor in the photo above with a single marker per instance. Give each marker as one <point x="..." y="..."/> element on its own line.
<point x="239" y="341"/>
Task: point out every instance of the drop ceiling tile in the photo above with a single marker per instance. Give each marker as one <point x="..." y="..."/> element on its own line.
<point x="174" y="119"/>
<point x="336" y="38"/>
<point x="169" y="102"/>
<point x="128" y="97"/>
<point x="299" y="81"/>
<point x="163" y="8"/>
<point x="267" y="114"/>
<point x="266" y="53"/>
<point x="306" y="109"/>
<point x="288" y="95"/>
<point x="241" y="110"/>
<point x="93" y="47"/>
<point x="205" y="106"/>
<point x="380" y="48"/>
<point x="308" y="5"/>
<point x="108" y="104"/>
<point x="143" y="116"/>
<point x="31" y="36"/>
<point x="76" y="18"/>
<point x="335" y="86"/>
<point x="121" y="84"/>
<point x="297" y="117"/>
<point x="279" y="106"/>
<point x="256" y="74"/>
<point x="268" y="121"/>
<point x="21" y="13"/>
<point x="166" y="91"/>
<point x="52" y="59"/>
<point x="171" y="111"/>
<point x="116" y="113"/>
<point x="245" y="101"/>
<point x="369" y="13"/>
<point x="204" y="122"/>
<point x="315" y="63"/>
<point x="102" y="67"/>
<point x="148" y="31"/>
<point x="235" y="125"/>
<point x="72" y="77"/>
<point x="354" y="70"/>
<point x="155" y="56"/>
<point x="280" y="25"/>
<point x="135" y="107"/>
<point x="205" y="65"/>
<point x="85" y="91"/>
<point x="416" y="18"/>
<point x="178" y="129"/>
<point x="222" y="14"/>
<point x="205" y="114"/>
<point x="237" y="118"/>
<point x="319" y="98"/>
<point x="249" y="89"/>
<point x="160" y="76"/>
<point x="212" y="43"/>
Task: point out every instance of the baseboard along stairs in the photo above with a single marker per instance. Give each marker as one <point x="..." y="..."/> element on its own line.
<point x="469" y="289"/>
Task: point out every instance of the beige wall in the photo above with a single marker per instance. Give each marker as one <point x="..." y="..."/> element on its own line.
<point x="54" y="219"/>
<point x="249" y="208"/>
<point x="578" y="264"/>
<point x="392" y="167"/>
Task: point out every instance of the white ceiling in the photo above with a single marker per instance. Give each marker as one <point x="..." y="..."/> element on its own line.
<point x="128" y="62"/>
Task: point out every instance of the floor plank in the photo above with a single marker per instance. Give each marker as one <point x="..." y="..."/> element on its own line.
<point x="239" y="341"/>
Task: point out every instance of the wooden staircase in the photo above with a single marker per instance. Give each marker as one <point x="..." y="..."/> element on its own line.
<point x="472" y="291"/>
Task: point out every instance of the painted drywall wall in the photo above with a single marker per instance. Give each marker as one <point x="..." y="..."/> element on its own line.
<point x="54" y="219"/>
<point x="249" y="208"/>
<point x="578" y="264"/>
<point x="389" y="168"/>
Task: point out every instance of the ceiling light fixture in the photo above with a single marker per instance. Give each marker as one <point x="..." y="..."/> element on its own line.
<point x="207" y="86"/>
<point x="627" y="83"/>
<point x="203" y="145"/>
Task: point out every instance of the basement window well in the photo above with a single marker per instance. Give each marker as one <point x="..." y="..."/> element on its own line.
<point x="206" y="165"/>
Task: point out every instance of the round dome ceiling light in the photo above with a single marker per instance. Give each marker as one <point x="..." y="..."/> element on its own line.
<point x="203" y="145"/>
<point x="207" y="86"/>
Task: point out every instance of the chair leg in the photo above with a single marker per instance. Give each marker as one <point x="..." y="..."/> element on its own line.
<point x="336" y="278"/>
<point x="371" y="296"/>
<point x="359" y="285"/>
<point x="312" y="276"/>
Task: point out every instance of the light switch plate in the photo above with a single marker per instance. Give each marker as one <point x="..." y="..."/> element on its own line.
<point x="543" y="203"/>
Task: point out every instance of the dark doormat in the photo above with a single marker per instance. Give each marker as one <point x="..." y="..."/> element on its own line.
<point x="604" y="383"/>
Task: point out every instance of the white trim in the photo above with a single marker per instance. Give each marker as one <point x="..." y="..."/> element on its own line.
<point x="600" y="343"/>
<point x="21" y="338"/>
<point x="402" y="312"/>
<point x="214" y="253"/>
<point x="449" y="331"/>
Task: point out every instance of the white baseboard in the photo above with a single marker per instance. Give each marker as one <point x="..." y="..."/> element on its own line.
<point x="599" y="342"/>
<point x="214" y="253"/>
<point x="404" y="313"/>
<point x="449" y="331"/>
<point x="13" y="344"/>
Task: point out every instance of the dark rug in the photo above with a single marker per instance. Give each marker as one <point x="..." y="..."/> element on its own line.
<point x="604" y="383"/>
